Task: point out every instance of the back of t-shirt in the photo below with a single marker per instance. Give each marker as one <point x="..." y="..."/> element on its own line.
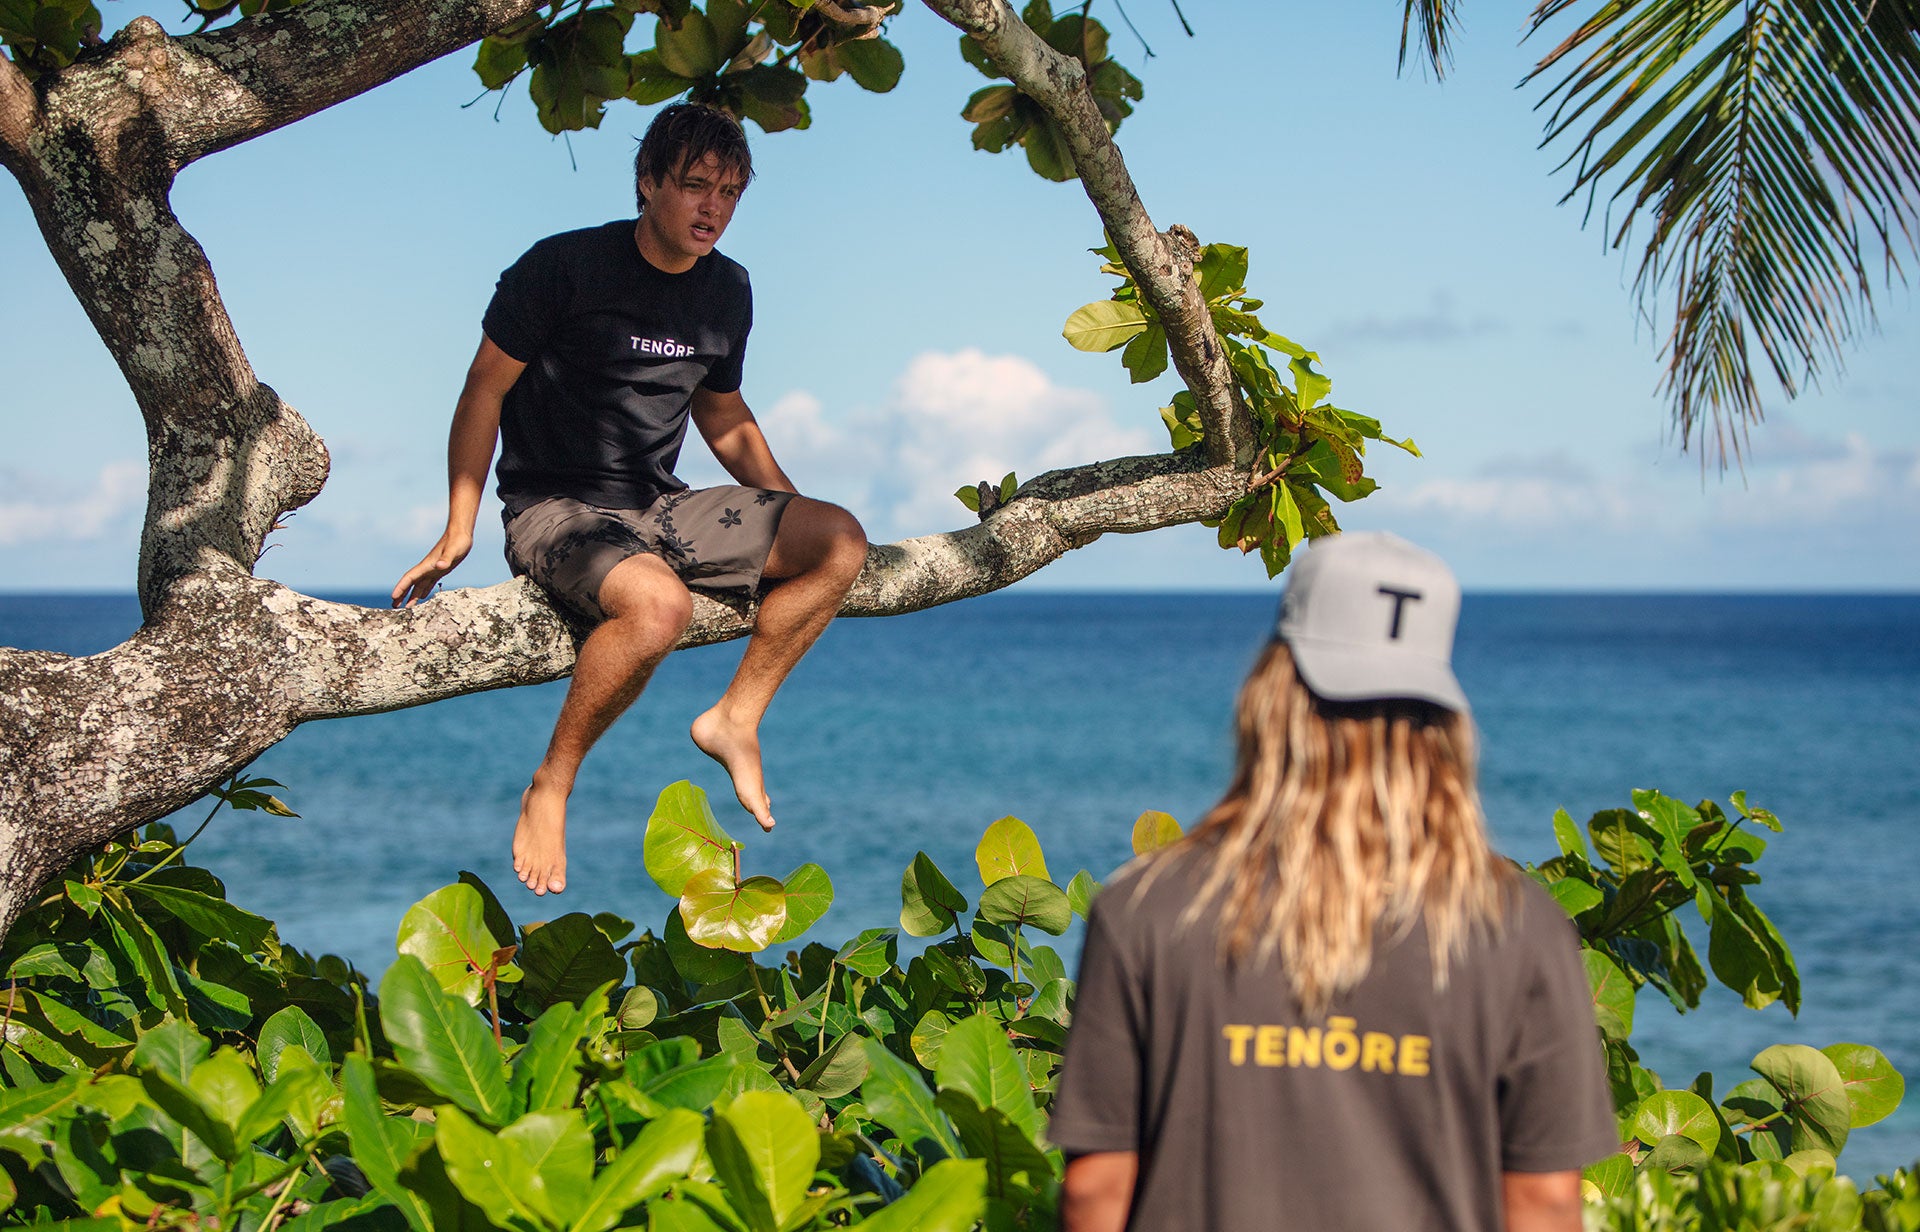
<point x="1398" y="1108"/>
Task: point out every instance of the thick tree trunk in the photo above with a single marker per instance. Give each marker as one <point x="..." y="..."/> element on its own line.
<point x="227" y="664"/>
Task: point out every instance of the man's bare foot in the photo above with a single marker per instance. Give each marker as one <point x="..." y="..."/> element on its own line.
<point x="738" y="749"/>
<point x="540" y="840"/>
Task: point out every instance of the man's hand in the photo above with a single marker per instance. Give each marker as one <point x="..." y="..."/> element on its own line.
<point x="418" y="582"/>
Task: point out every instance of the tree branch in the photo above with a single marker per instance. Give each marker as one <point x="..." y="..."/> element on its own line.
<point x="19" y="111"/>
<point x="256" y="75"/>
<point x="229" y="664"/>
<point x="1162" y="265"/>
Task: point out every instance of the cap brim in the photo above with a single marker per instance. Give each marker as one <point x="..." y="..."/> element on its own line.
<point x="1344" y="673"/>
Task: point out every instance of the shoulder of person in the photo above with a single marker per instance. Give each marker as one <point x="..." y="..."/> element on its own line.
<point x="727" y="271"/>
<point x="581" y="242"/>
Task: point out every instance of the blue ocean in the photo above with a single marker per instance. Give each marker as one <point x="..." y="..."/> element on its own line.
<point x="1075" y="712"/>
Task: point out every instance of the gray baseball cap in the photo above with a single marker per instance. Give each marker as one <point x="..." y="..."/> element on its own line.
<point x="1369" y="617"/>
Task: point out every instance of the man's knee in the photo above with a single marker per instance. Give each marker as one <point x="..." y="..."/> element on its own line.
<point x="815" y="535"/>
<point x="643" y="594"/>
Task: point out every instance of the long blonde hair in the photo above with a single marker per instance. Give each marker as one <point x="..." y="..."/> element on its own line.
<point x="1343" y="819"/>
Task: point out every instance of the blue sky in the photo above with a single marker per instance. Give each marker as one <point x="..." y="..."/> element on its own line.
<point x="909" y="298"/>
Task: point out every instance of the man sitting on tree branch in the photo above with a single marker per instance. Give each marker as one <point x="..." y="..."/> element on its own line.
<point x="597" y="347"/>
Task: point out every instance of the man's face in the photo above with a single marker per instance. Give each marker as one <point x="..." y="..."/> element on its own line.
<point x="688" y="212"/>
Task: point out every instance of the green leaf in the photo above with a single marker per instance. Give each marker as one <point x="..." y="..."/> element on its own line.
<point x="1740" y="959"/>
<point x="665" y="1151"/>
<point x="870" y="953"/>
<point x="1612" y="1176"/>
<point x="764" y="1148"/>
<point x="1612" y="994"/>
<point x="929" y="902"/>
<point x="290" y="1025"/>
<point x="143" y="950"/>
<point x="1104" y="326"/>
<point x="1575" y="895"/>
<point x="381" y="1145"/>
<point x="444" y="1043"/>
<point x="809" y="893"/>
<point x="874" y="64"/>
<point x="969" y="495"/>
<point x="1874" y="1087"/>
<point x="651" y="82"/>
<point x="638" y="1008"/>
<point x="1676" y="1112"/>
<point x="447" y="932"/>
<point x="951" y="1196"/>
<point x="690" y="51"/>
<point x="492" y="1172"/>
<point x="696" y="963"/>
<point x="499" y="62"/>
<point x="1146" y="355"/>
<point x="1671" y="820"/>
<point x="743" y="917"/>
<point x="192" y="1112"/>
<point x="174" y="1048"/>
<point x="1018" y="900"/>
<point x="838" y="1070"/>
<point x="207" y="915"/>
<point x="988" y="1135"/>
<point x="927" y="1037"/>
<point x="978" y="1058"/>
<point x="1675" y="1153"/>
<point x="898" y="1098"/>
<point x="1009" y="848"/>
<point x="568" y="959"/>
<point x="1080" y="892"/>
<point x="683" y="839"/>
<point x="1567" y="835"/>
<point x="1815" y="1094"/>
<point x="299" y="1092"/>
<point x="1309" y="387"/>
<point x="546" y="1071"/>
<point x="1222" y="270"/>
<point x="560" y="1149"/>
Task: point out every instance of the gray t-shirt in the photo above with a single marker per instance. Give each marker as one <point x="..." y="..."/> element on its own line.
<point x="1398" y="1108"/>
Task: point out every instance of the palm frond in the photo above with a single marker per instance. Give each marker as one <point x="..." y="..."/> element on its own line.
<point x="1435" y="20"/>
<point x="1769" y="150"/>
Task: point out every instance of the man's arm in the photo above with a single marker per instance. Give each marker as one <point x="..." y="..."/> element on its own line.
<point x="733" y="434"/>
<point x="476" y="425"/>
<point x="1097" y="1191"/>
<point x="1541" y="1201"/>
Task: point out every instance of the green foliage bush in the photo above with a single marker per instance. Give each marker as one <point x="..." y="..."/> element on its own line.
<point x="169" y="1063"/>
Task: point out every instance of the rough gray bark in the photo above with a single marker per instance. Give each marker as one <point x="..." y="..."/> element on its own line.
<point x="227" y="664"/>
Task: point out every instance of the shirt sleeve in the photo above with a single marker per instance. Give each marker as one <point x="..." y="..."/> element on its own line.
<point x="1556" y="1112"/>
<point x="1096" y="1106"/>
<point x="730" y="370"/>
<point x="527" y="304"/>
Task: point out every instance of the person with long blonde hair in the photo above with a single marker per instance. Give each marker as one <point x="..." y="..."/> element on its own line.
<point x="1332" y="1005"/>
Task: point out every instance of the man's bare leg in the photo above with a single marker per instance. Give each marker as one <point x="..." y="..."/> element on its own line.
<point x="647" y="610"/>
<point x="817" y="553"/>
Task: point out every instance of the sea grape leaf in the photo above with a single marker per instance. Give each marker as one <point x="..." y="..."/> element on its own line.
<point x="447" y="931"/>
<point x="1874" y="1087"/>
<point x="1017" y="900"/>
<point x="838" y="1070"/>
<point x="742" y="916"/>
<point x="290" y="1025"/>
<point x="764" y="1148"/>
<point x="546" y="1070"/>
<point x="442" y="1041"/>
<point x="988" y="1135"/>
<point x="951" y="1196"/>
<point x="898" y="1098"/>
<point x="1153" y="830"/>
<point x="977" y="1058"/>
<point x="1009" y="848"/>
<point x="809" y="894"/>
<point x="1080" y="892"/>
<point x="566" y="960"/>
<point x="684" y="839"/>
<point x="1676" y="1112"/>
<point x="929" y="902"/>
<point x="1613" y="994"/>
<point x="1815" y="1095"/>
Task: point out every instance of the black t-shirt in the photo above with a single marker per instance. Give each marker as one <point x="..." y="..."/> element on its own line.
<point x="1398" y="1108"/>
<point x="614" y="349"/>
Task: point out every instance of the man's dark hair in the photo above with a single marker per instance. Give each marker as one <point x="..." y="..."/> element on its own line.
<point x="682" y="136"/>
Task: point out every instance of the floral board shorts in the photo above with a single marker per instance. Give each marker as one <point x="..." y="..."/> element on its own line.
<point x="713" y="538"/>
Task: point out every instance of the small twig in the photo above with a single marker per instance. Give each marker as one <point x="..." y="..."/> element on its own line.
<point x="766" y="1007"/>
<point x="1182" y="16"/>
<point x="1286" y="464"/>
<point x="861" y="15"/>
<point x="171" y="856"/>
<point x="286" y="1187"/>
<point x="1122" y="10"/>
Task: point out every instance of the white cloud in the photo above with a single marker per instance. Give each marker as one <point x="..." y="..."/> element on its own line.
<point x="952" y="418"/>
<point x="120" y="488"/>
